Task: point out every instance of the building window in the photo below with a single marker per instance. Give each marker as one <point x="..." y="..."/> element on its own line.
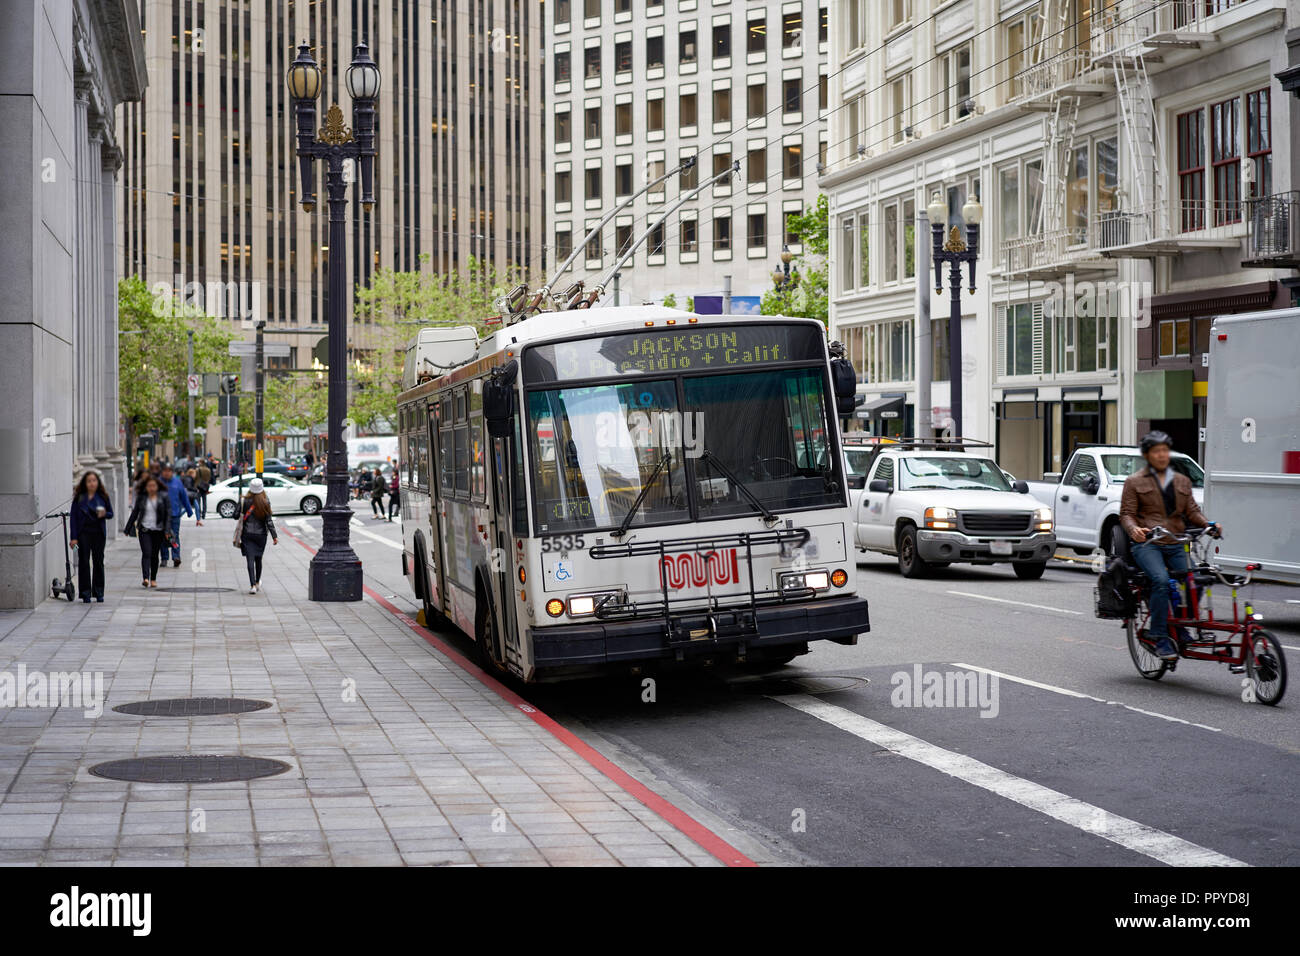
<point x="564" y="186"/>
<point x="1191" y="169"/>
<point x="939" y="350"/>
<point x="623" y="119"/>
<point x="757" y="101"/>
<point x="1259" y="142"/>
<point x="655" y="169"/>
<point x="756" y="36"/>
<point x="1018" y="337"/>
<point x="594" y="252"/>
<point x="792" y="161"/>
<point x="593" y="184"/>
<point x="1175" y="338"/>
<point x="563" y="244"/>
<point x="689" y="235"/>
<point x="855" y="24"/>
<point x="954" y="80"/>
<point x="623" y="180"/>
<point x="591" y="62"/>
<point x="563" y="67"/>
<point x="654" y="52"/>
<point x="823" y="92"/>
<point x="1076" y="194"/>
<point x="1009" y="202"/>
<point x="622" y="57"/>
<point x="562" y="127"/>
<point x="791" y="237"/>
<point x="864" y="251"/>
<point x="622" y="239"/>
<point x="823" y="25"/>
<point x="562" y="12"/>
<point x="721" y="161"/>
<point x="721" y="234"/>
<point x="891" y="242"/>
<point x="757" y="230"/>
<point x="1225" y="155"/>
<point x="657" y="240"/>
<point x="592" y="125"/>
<point x="1022" y="53"/>
<point x="848" y="261"/>
<point x="722" y="105"/>
<point x="900" y="104"/>
<point x="690" y="178"/>
<point x="721" y="40"/>
<point x="686" y="46"/>
<point x="898" y="12"/>
<point x="622" y="6"/>
<point x="793" y="94"/>
<point x="791" y="30"/>
<point x="590" y="8"/>
<point x="756" y="165"/>
<point x="654" y="115"/>
<point x="688" y="110"/>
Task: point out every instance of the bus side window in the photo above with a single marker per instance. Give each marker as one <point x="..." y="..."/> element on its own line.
<point x="462" y="458"/>
<point x="519" y="499"/>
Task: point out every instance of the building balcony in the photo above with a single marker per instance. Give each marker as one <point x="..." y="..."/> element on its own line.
<point x="1273" y="232"/>
<point x="1069" y="73"/>
<point x="1146" y="27"/>
<point x="1051" y="254"/>
<point x="1169" y="228"/>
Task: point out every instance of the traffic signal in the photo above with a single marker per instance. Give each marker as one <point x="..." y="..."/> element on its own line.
<point x="229" y="384"/>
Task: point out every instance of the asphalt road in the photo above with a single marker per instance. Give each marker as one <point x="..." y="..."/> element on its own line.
<point x="1077" y="760"/>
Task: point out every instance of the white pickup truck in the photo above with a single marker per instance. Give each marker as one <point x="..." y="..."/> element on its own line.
<point x="933" y="508"/>
<point x="1085" y="497"/>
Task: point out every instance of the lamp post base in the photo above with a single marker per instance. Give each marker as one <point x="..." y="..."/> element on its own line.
<point x="334" y="578"/>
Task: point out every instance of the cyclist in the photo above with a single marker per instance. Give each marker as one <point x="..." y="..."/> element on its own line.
<point x="1158" y="495"/>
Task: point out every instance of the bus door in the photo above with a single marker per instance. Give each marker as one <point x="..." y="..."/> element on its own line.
<point x="439" y="478"/>
<point x="504" y="557"/>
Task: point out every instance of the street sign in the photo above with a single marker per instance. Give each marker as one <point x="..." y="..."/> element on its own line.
<point x="889" y="414"/>
<point x="211" y="383"/>
<point x="194" y="385"/>
<point x="270" y="349"/>
<point x="248" y="373"/>
<point x="230" y="427"/>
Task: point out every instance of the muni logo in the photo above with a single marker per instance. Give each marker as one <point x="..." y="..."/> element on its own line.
<point x="694" y="569"/>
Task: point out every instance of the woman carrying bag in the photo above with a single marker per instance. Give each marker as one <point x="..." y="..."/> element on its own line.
<point x="251" y="532"/>
<point x="151" y="520"/>
<point x="90" y="513"/>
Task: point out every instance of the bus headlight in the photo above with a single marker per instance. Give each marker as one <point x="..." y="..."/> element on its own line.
<point x="584" y="605"/>
<point x="1043" y="519"/>
<point x="805" y="581"/>
<point x="941" y="519"/>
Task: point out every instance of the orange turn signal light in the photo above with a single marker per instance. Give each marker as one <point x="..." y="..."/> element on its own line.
<point x="555" y="607"/>
<point x="839" y="577"/>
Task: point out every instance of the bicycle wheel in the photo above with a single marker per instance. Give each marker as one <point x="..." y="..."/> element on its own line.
<point x="1266" y="667"/>
<point x="1148" y="663"/>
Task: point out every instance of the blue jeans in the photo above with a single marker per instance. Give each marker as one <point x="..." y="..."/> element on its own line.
<point x="201" y="505"/>
<point x="170" y="553"/>
<point x="1158" y="560"/>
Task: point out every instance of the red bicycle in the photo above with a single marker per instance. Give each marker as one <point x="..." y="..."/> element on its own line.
<point x="1241" y="643"/>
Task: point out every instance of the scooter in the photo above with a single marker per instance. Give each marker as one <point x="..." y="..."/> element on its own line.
<point x="64" y="587"/>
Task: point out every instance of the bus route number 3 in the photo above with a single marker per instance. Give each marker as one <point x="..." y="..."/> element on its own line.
<point x="563" y="543"/>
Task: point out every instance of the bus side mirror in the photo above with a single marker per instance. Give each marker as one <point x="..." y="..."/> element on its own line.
<point x="498" y="400"/>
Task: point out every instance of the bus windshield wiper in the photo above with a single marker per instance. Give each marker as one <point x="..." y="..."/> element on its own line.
<point x="645" y="490"/>
<point x="740" y="485"/>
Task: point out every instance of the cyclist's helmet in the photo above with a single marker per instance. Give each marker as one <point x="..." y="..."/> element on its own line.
<point x="1151" y="439"/>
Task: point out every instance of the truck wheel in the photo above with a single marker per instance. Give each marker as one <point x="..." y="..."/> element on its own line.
<point x="910" y="562"/>
<point x="1030" y="570"/>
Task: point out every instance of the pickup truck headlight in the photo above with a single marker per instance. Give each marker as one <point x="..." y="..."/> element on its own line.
<point x="941" y="519"/>
<point x="1043" y="519"/>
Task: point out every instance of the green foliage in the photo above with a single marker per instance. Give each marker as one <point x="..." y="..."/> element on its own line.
<point x="690" y="303"/>
<point x="151" y="356"/>
<point x="395" y="307"/>
<point x="670" y="301"/>
<point x="810" y="297"/>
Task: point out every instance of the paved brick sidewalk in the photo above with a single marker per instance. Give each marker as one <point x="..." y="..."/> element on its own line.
<point x="427" y="765"/>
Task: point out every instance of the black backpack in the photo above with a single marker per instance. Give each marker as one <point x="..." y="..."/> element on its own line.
<point x="1115" y="597"/>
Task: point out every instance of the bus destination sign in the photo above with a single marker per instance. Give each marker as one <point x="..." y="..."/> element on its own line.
<point x="669" y="351"/>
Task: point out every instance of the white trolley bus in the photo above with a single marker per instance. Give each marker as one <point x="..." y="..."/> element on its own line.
<point x="630" y="486"/>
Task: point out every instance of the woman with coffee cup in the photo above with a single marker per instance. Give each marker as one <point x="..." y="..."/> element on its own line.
<point x="90" y="510"/>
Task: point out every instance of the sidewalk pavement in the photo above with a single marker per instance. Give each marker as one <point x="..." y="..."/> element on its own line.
<point x="424" y="764"/>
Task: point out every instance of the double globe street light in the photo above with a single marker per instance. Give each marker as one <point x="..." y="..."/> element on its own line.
<point x="336" y="570"/>
<point x="954" y="250"/>
<point x="782" y="276"/>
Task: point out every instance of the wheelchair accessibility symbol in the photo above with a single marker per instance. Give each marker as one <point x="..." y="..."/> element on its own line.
<point x="561" y="572"/>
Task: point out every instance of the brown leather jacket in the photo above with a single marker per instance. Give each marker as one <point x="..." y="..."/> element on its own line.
<point x="1143" y="504"/>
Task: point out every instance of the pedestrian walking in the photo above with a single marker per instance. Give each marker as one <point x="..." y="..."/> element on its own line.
<point x="202" y="484"/>
<point x="377" y="488"/>
<point x="365" y="483"/>
<point x="253" y="529"/>
<point x="311" y="460"/>
<point x="151" y="521"/>
<point x="91" y="510"/>
<point x="394" y="502"/>
<point x="179" y="500"/>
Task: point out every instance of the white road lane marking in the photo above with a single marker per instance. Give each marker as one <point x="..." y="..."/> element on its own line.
<point x="359" y="528"/>
<point x="1074" y="693"/>
<point x="1041" y="607"/>
<point x="1084" y="816"/>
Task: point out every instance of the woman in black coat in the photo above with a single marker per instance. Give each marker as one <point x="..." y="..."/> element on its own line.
<point x="151" y="520"/>
<point x="90" y="510"/>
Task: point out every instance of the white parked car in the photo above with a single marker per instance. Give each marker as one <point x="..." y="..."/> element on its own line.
<point x="933" y="508"/>
<point x="286" y="495"/>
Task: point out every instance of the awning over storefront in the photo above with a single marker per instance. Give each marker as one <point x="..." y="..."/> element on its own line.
<point x="885" y="406"/>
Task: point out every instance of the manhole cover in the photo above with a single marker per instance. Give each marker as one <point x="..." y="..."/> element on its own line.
<point x="192" y="707"/>
<point x="194" y="590"/>
<point x="189" y="769"/>
<point x="771" y="685"/>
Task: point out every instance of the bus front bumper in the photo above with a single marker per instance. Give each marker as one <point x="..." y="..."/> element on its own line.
<point x="692" y="634"/>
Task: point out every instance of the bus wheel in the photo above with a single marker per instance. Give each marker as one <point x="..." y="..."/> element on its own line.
<point x="432" y="616"/>
<point x="485" y="636"/>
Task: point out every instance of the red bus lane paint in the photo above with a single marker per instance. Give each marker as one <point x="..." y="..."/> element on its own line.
<point x="709" y="841"/>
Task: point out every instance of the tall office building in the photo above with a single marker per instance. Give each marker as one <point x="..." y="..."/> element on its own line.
<point x="210" y="188"/>
<point x="645" y="83"/>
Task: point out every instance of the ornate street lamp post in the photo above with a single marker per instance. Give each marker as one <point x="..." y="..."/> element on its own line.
<point x="336" y="570"/>
<point x="782" y="277"/>
<point x="954" y="251"/>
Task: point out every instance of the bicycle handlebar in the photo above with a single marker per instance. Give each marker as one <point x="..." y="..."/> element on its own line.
<point x="1192" y="534"/>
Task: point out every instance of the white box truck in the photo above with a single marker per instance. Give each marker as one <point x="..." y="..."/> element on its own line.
<point x="1252" y="441"/>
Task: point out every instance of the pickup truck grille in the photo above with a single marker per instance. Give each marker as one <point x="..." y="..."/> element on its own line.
<point x="994" y="522"/>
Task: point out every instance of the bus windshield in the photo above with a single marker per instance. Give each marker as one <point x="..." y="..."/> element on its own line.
<point x="599" y="451"/>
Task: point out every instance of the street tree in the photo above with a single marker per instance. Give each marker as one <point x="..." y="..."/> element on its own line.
<point x="809" y="297"/>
